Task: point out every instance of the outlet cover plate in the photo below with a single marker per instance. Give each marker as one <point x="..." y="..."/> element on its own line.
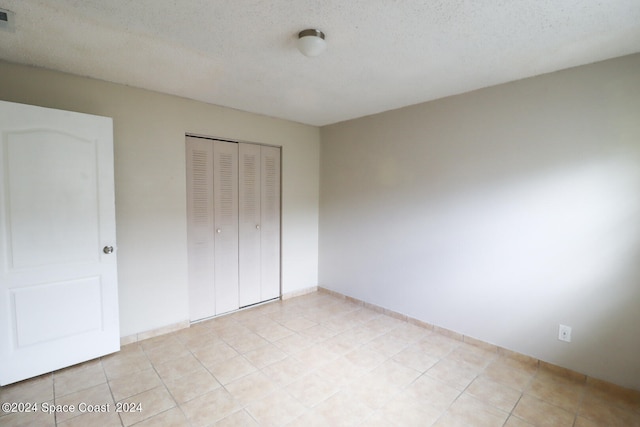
<point x="564" y="333"/>
<point x="7" y="20"/>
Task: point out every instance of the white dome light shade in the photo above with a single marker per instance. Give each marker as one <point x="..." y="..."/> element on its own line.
<point x="311" y="42"/>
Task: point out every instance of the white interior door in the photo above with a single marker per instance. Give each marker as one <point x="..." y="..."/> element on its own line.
<point x="58" y="273"/>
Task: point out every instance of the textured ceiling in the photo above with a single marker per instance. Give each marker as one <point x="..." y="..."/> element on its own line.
<point x="381" y="54"/>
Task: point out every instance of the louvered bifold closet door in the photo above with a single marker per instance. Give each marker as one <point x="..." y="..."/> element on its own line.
<point x="250" y="224"/>
<point x="200" y="228"/>
<point x="270" y="223"/>
<point x="233" y="208"/>
<point x="225" y="193"/>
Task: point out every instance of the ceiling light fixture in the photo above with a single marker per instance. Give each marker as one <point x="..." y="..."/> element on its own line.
<point x="311" y="42"/>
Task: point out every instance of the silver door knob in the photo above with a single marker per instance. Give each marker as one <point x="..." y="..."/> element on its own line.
<point x="218" y="231"/>
<point x="107" y="250"/>
<point x="258" y="227"/>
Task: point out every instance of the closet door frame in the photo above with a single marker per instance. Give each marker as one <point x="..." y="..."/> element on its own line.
<point x="264" y="297"/>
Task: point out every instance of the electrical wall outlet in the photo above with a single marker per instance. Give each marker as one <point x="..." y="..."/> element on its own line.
<point x="564" y="333"/>
<point x="7" y="20"/>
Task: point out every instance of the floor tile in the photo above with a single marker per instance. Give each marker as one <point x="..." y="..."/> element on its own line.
<point x="340" y="344"/>
<point x="436" y="345"/>
<point x="311" y="418"/>
<point x="251" y="387"/>
<point x="210" y="408"/>
<point x="381" y="324"/>
<point x="145" y="405"/>
<point x="191" y="386"/>
<point x="405" y="410"/>
<point x="292" y="344"/>
<point x="415" y="359"/>
<point x="26" y="419"/>
<point x="273" y="331"/>
<point x="540" y="413"/>
<point x="468" y="411"/>
<point x="39" y="389"/>
<point x="614" y="395"/>
<point x="163" y="353"/>
<point x="197" y="337"/>
<point x="339" y="324"/>
<point x="474" y="357"/>
<point x="100" y="419"/>
<point x="320" y="360"/>
<point x="456" y="374"/>
<point x="246" y="342"/>
<point x="298" y="324"/>
<point x="341" y="371"/>
<point x="514" y="421"/>
<point x="358" y="335"/>
<point x="237" y="419"/>
<point x="318" y="333"/>
<point x="493" y="393"/>
<point x="395" y="373"/>
<point x="316" y="356"/>
<point x="275" y="409"/>
<point x="134" y="384"/>
<point x="343" y="409"/>
<point x="169" y="418"/>
<point x="604" y="413"/>
<point x="179" y="367"/>
<point x="584" y="422"/>
<point x="215" y="354"/>
<point x="164" y="340"/>
<point x="97" y="396"/>
<point x="377" y="419"/>
<point x="387" y="344"/>
<point x="286" y="371"/>
<point x="432" y="391"/>
<point x="410" y="333"/>
<point x="265" y="355"/>
<point x="121" y="365"/>
<point x="311" y="389"/>
<point x="563" y="394"/>
<point x="373" y="391"/>
<point x="78" y="377"/>
<point x="226" y="327"/>
<point x="510" y="372"/>
<point x="361" y="315"/>
<point x="366" y="358"/>
<point x="232" y="369"/>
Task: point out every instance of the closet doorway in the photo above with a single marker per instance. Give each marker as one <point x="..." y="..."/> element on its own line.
<point x="233" y="225"/>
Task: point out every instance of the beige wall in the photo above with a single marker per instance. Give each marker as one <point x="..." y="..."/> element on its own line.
<point x="149" y="137"/>
<point x="499" y="214"/>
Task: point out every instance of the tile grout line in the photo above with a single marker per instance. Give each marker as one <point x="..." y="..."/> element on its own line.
<point x="110" y="390"/>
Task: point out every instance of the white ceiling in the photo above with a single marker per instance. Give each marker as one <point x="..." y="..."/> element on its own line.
<point x="381" y="54"/>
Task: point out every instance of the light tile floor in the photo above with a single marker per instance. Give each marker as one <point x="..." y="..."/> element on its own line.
<point x="316" y="360"/>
